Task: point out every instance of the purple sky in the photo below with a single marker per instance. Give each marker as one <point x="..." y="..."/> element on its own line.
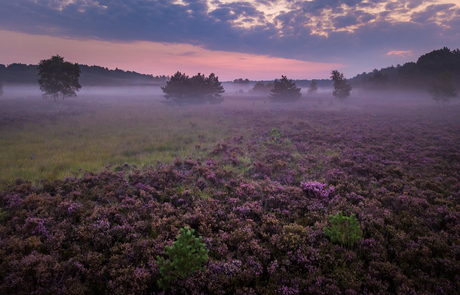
<point x="260" y="39"/>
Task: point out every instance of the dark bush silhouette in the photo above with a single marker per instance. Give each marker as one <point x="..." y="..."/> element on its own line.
<point x="341" y="87"/>
<point x="182" y="89"/>
<point x="442" y="88"/>
<point x="58" y="78"/>
<point x="284" y="90"/>
<point x="1" y="88"/>
<point x="313" y="87"/>
<point x="262" y="87"/>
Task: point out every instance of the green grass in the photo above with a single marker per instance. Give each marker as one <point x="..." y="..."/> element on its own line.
<point x="46" y="144"/>
<point x="38" y="141"/>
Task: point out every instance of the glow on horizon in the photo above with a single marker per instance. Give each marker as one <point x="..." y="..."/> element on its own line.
<point x="157" y="58"/>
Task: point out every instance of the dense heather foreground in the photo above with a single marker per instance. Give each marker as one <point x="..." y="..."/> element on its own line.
<point x="260" y="199"/>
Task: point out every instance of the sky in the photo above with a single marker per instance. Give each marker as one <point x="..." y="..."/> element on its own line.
<point x="259" y="40"/>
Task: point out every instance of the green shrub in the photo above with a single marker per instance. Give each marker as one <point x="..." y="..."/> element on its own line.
<point x="186" y="255"/>
<point x="275" y="133"/>
<point x="345" y="230"/>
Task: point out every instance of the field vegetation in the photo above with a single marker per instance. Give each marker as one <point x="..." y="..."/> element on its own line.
<point x="39" y="142"/>
<point x="315" y="197"/>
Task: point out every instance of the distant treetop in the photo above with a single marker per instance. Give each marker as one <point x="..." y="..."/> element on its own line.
<point x="241" y="81"/>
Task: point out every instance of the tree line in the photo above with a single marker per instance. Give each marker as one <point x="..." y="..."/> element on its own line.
<point x="439" y="69"/>
<point x="59" y="79"/>
<point x="417" y="75"/>
<point x="17" y="73"/>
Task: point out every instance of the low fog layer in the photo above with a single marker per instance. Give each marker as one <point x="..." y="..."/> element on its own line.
<point x="237" y="88"/>
<point x="241" y="96"/>
<point x="20" y="90"/>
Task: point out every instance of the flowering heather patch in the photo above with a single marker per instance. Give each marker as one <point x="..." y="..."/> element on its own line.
<point x="261" y="218"/>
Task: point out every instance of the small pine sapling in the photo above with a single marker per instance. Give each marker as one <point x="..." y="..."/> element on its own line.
<point x="187" y="254"/>
<point x="345" y="230"/>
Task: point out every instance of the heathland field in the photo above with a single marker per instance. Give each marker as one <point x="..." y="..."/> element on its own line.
<point x="91" y="194"/>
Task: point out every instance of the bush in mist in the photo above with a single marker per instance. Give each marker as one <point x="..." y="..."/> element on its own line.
<point x="284" y="90"/>
<point x="1" y="88"/>
<point x="262" y="87"/>
<point x="313" y="87"/>
<point x="442" y="88"/>
<point x="341" y="87"/>
<point x="58" y="78"/>
<point x="182" y="89"/>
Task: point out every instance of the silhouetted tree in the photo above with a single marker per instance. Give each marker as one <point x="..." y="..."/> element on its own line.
<point x="284" y="90"/>
<point x="442" y="88"/>
<point x="58" y="78"/>
<point x="1" y="88"/>
<point x="341" y="87"/>
<point x="313" y="87"/>
<point x="182" y="89"/>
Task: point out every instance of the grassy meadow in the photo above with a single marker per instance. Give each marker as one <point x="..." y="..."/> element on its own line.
<point x="38" y="141"/>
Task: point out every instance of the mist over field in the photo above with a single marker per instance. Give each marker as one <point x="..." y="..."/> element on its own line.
<point x="235" y="93"/>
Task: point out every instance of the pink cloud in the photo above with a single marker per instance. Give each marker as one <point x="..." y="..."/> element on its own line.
<point x="157" y="58"/>
<point x="402" y="53"/>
